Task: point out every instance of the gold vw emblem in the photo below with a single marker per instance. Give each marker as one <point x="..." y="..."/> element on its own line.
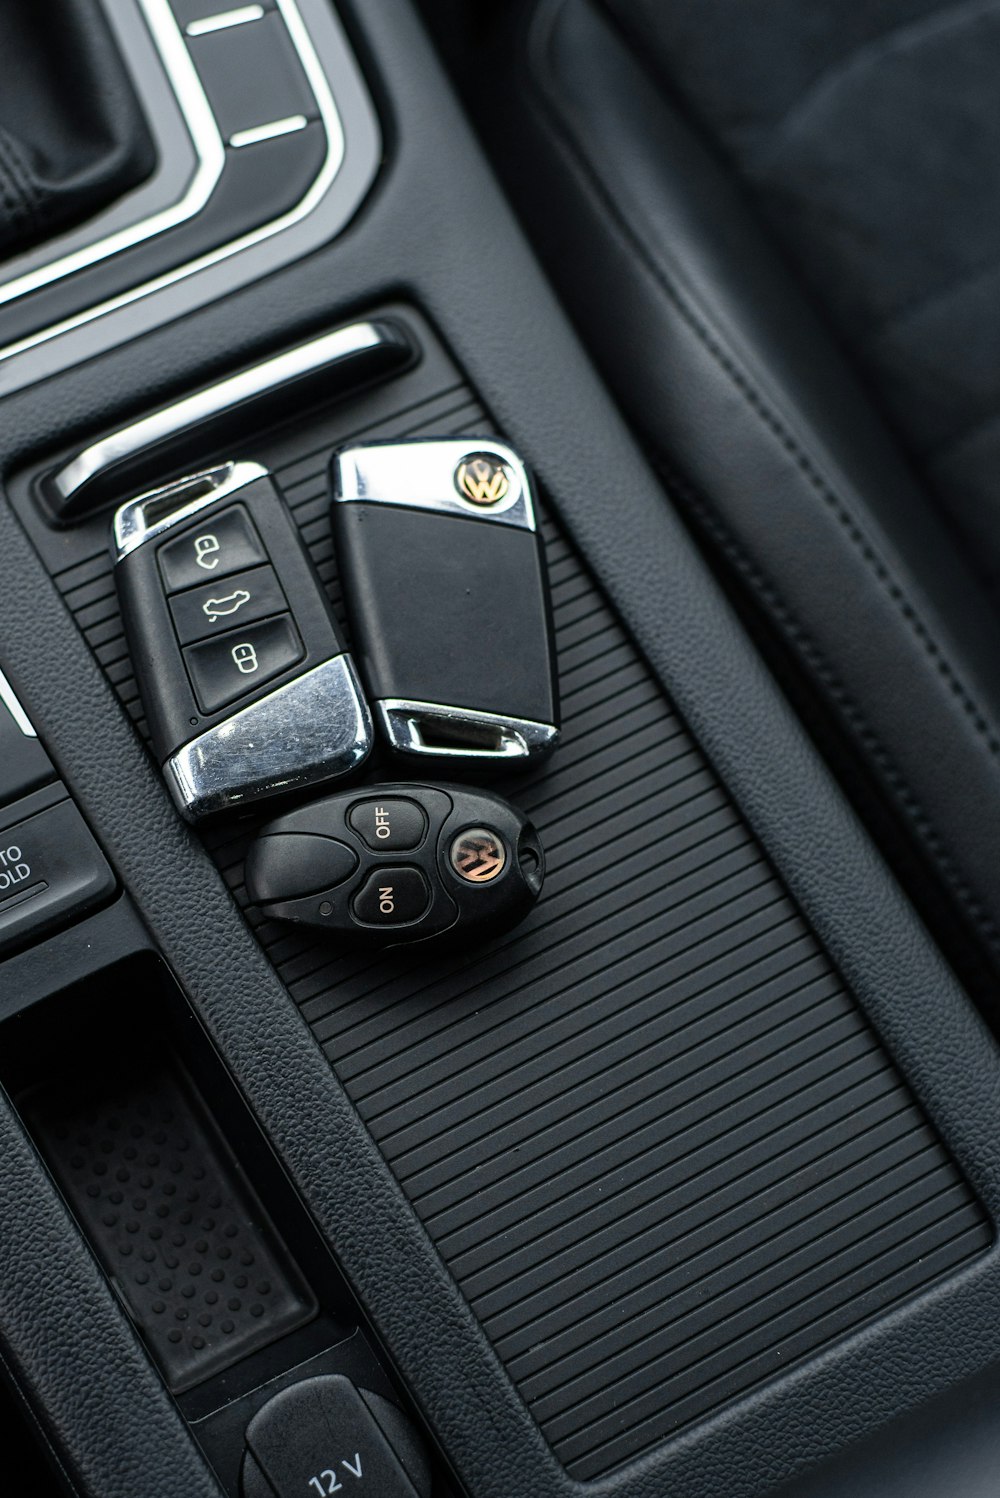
<point x="483" y="479"/>
<point x="478" y="855"/>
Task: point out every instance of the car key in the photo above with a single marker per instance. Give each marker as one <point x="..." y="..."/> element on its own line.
<point x="444" y="582"/>
<point x="388" y="864"/>
<point x="246" y="684"/>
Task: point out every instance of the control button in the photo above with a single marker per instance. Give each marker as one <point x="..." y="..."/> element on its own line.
<point x="319" y="1436"/>
<point x="478" y="855"/>
<point x="253" y="76"/>
<point x="392" y="897"/>
<point x="237" y="663"/>
<point x="241" y="598"/>
<point x="222" y="544"/>
<point x="50" y="871"/>
<point x="389" y="825"/>
<point x="290" y="864"/>
<point x="24" y="764"/>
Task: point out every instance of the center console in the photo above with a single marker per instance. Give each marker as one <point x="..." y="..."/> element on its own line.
<point x="679" y="1177"/>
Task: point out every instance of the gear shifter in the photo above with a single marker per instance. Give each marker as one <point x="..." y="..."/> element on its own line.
<point x="72" y="136"/>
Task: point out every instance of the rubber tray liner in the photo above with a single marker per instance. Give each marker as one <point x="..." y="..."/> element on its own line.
<point x="177" y="1230"/>
<point x="654" y="1138"/>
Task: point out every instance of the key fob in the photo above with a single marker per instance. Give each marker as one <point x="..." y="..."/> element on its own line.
<point x="444" y="582"/>
<point x="388" y="864"/>
<point x="246" y="684"/>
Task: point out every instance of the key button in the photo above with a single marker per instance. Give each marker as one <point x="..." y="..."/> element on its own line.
<point x="221" y="544"/>
<point x="392" y="897"/>
<point x="389" y="824"/>
<point x="215" y="608"/>
<point x="237" y="663"/>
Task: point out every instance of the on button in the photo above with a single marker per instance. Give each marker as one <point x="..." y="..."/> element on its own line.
<point x="392" y="897"/>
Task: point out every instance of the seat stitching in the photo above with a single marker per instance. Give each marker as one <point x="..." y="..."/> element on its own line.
<point x="810" y="652"/>
<point x="801" y="459"/>
<point x="895" y="778"/>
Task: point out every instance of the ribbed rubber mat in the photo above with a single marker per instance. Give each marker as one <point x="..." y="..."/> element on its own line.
<point x="655" y="1140"/>
<point x="201" y="1272"/>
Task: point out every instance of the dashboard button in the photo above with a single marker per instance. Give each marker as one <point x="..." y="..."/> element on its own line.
<point x="389" y="824"/>
<point x="51" y="870"/>
<point x="239" y="662"/>
<point x="392" y="897"/>
<point x="252" y="74"/>
<point x="224" y="544"/>
<point x="240" y="599"/>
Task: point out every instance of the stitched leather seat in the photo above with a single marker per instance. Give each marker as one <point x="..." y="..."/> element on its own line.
<point x="717" y="228"/>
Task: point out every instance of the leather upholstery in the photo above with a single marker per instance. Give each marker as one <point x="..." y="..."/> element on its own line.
<point x="866" y="136"/>
<point x="768" y="440"/>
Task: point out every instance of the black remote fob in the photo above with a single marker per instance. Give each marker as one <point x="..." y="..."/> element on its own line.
<point x="445" y="587"/>
<point x="388" y="864"/>
<point x="247" y="687"/>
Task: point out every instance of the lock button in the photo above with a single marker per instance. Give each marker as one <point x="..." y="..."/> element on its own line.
<point x="237" y="663"/>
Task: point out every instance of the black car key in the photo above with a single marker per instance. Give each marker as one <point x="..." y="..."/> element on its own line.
<point x="445" y="586"/>
<point x="246" y="684"/>
<point x="388" y="864"/>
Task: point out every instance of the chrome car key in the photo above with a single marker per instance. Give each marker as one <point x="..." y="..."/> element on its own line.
<point x="247" y="687"/>
<point x="445" y="587"/>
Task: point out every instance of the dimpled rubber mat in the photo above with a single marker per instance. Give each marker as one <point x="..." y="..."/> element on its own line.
<point x="655" y="1140"/>
<point x="179" y="1234"/>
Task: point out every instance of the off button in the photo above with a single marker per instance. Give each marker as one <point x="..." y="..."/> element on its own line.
<point x="389" y="825"/>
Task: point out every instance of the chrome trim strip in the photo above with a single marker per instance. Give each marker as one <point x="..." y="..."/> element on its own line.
<point x="516" y="738"/>
<point x="197" y="409"/>
<point x="9" y="699"/>
<point x="421" y="475"/>
<point x="321" y="185"/>
<point x="209" y="147"/>
<point x="257" y="133"/>
<point x="313" y="729"/>
<point x="158" y="510"/>
<point x="224" y="19"/>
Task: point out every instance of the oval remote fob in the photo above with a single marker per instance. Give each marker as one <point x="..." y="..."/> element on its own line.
<point x="388" y="864"/>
